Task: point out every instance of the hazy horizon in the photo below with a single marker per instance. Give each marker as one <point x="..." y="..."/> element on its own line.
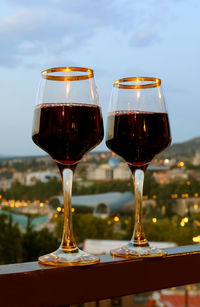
<point x="97" y="149"/>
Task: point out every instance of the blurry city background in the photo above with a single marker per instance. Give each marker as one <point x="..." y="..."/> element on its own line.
<point x="31" y="204"/>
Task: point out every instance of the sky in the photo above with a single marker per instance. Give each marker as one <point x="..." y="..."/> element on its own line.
<point x="118" y="38"/>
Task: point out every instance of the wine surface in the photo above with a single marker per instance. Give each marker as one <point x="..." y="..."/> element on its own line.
<point x="67" y="131"/>
<point x="137" y="136"/>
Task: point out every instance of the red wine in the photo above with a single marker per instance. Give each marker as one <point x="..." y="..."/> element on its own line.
<point x="67" y="131"/>
<point x="137" y="136"/>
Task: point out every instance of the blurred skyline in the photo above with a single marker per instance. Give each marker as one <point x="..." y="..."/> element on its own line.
<point x="117" y="39"/>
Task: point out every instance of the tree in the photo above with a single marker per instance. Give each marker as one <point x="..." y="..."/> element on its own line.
<point x="37" y="243"/>
<point x="10" y="241"/>
<point x="87" y="226"/>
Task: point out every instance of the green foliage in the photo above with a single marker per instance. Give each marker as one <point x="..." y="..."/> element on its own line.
<point x="40" y="190"/>
<point x="190" y="185"/>
<point x="37" y="243"/>
<point x="151" y="187"/>
<point x="128" y="227"/>
<point x="87" y="226"/>
<point x="6" y="175"/>
<point x="10" y="239"/>
<point x="97" y="187"/>
<point x="20" y="247"/>
<point x="166" y="230"/>
<point x="189" y="165"/>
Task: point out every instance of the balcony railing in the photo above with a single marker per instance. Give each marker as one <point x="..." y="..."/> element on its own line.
<point x="33" y="285"/>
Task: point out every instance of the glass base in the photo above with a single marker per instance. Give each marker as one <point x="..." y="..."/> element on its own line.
<point x="61" y="258"/>
<point x="131" y="251"/>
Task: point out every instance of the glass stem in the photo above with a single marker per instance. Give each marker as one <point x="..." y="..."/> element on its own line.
<point x="138" y="238"/>
<point x="68" y="243"/>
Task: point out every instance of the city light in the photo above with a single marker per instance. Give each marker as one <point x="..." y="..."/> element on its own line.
<point x="41" y="204"/>
<point x="196" y="239"/>
<point x="184" y="221"/>
<point x="174" y="195"/>
<point x="197" y="222"/>
<point x="185" y="195"/>
<point x="196" y="206"/>
<point x="163" y="209"/>
<point x="180" y="164"/>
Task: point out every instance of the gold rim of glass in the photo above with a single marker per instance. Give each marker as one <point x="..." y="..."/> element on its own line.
<point x="118" y="83"/>
<point x="45" y="73"/>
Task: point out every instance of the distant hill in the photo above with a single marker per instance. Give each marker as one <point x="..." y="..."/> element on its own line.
<point x="4" y="156"/>
<point x="177" y="150"/>
<point x="185" y="149"/>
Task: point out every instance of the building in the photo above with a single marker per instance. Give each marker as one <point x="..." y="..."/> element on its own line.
<point x="5" y="184"/>
<point x="107" y="172"/>
<point x="19" y="177"/>
<point x="122" y="172"/>
<point x="101" y="205"/>
<point x="184" y="206"/>
<point x="164" y="177"/>
<point x="45" y="176"/>
<point x="196" y="159"/>
<point x="103" y="172"/>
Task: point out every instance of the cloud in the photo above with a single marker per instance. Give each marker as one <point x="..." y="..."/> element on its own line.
<point x="144" y="38"/>
<point x="35" y="29"/>
<point x="54" y="28"/>
<point x="21" y="23"/>
<point x="29" y="48"/>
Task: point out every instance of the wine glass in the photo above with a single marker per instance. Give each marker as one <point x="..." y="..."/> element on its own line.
<point x="137" y="130"/>
<point x="67" y="124"/>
